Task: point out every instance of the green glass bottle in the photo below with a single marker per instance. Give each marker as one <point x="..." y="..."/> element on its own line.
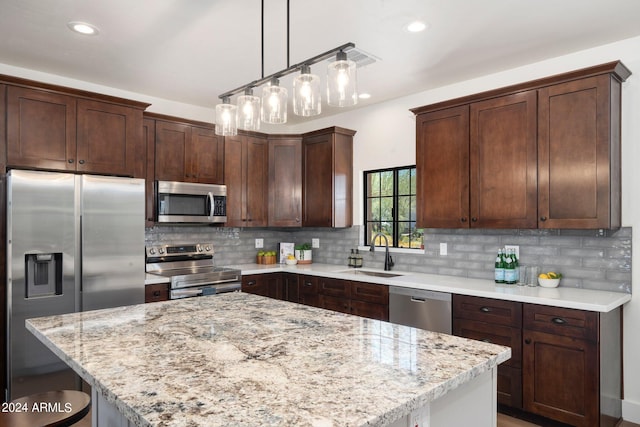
<point x="509" y="269"/>
<point x="499" y="268"/>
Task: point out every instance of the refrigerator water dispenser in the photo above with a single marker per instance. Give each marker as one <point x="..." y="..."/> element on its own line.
<point x="43" y="275"/>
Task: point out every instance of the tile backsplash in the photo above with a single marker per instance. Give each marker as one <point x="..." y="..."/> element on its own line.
<point x="587" y="258"/>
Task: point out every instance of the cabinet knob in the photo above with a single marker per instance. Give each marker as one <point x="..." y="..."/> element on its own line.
<point x="81" y="162"/>
<point x="527" y="341"/>
<point x="156" y="293"/>
<point x="487" y="340"/>
<point x="463" y="219"/>
<point x="297" y="219"/>
<point x="70" y="160"/>
<point x="474" y="219"/>
<point x="251" y="283"/>
<point x="543" y="218"/>
<point x="559" y="321"/>
<point x="485" y="309"/>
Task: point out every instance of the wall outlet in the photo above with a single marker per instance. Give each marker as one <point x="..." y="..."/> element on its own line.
<point x="516" y="249"/>
<point x="259" y="243"/>
<point x="315" y="243"/>
<point x="443" y="249"/>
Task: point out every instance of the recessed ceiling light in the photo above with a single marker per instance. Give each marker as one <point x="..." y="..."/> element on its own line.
<point x="83" y="28"/>
<point x="416" y="26"/>
<point x="364" y="95"/>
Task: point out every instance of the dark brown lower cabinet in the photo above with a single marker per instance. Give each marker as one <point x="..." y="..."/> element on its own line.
<point x="156" y="292"/>
<point x="565" y="364"/>
<point x="345" y="296"/>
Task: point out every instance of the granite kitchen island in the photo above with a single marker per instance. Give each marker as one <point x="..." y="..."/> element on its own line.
<point x="242" y="360"/>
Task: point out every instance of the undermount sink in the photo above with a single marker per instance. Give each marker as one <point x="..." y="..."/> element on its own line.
<point x="370" y="273"/>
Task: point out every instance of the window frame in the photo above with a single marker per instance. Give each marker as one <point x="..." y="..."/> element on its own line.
<point x="395" y="236"/>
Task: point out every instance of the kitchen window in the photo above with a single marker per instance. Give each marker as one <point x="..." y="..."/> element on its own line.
<point x="390" y="207"/>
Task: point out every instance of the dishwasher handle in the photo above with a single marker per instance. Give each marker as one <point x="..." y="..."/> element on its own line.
<point x="420" y="295"/>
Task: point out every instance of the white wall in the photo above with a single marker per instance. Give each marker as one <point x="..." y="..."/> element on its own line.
<point x="386" y="138"/>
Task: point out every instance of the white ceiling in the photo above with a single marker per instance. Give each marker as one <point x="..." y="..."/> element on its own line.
<point x="191" y="51"/>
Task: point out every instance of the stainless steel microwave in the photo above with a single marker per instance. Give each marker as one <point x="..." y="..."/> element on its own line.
<point x="183" y="202"/>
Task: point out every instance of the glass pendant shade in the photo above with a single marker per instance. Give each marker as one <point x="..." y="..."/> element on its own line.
<point x="249" y="111"/>
<point x="274" y="103"/>
<point x="342" y="90"/>
<point x="306" y="93"/>
<point x="226" y="119"/>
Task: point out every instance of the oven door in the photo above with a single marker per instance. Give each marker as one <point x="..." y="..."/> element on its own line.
<point x="181" y="202"/>
<point x="204" y="290"/>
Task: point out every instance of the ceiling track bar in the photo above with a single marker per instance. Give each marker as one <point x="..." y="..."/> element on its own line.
<point x="291" y="69"/>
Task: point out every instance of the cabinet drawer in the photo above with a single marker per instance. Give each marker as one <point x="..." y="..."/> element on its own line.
<point x="370" y="292"/>
<point x="255" y="284"/>
<point x="561" y="321"/>
<point x="156" y="292"/>
<point x="335" y="287"/>
<point x="495" y="334"/>
<point x="308" y="285"/>
<point x="488" y="310"/>
<point x="370" y="310"/>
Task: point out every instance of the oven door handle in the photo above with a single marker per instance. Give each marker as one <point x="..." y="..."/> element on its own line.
<point x="184" y="293"/>
<point x="188" y="283"/>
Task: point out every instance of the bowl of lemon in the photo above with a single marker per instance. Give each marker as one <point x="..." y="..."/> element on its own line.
<point x="549" y="280"/>
<point x="290" y="260"/>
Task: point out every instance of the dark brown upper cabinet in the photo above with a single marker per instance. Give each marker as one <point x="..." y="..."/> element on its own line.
<point x="48" y="129"/>
<point x="327" y="170"/>
<point x="246" y="163"/>
<point x="285" y="181"/>
<point x="188" y="153"/>
<point x="541" y="154"/>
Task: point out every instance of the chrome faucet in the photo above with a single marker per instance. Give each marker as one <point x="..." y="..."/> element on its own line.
<point x="388" y="261"/>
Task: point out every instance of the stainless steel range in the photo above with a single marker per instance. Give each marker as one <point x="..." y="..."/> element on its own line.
<point x="191" y="269"/>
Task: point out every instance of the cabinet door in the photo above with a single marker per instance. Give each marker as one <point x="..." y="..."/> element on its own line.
<point x="308" y="288"/>
<point x="257" y="182"/>
<point x="318" y="181"/>
<point x="579" y="154"/>
<point x="206" y="156"/>
<point x="171" y="146"/>
<point x="41" y="129"/>
<point x="370" y="310"/>
<point x="149" y="135"/>
<point x="246" y="162"/>
<point x="275" y="285"/>
<point x="442" y="168"/>
<point x="341" y="305"/>
<point x="560" y="378"/>
<point x="107" y="138"/>
<point x="235" y="176"/>
<point x="285" y="183"/>
<point x="290" y="282"/>
<point x="503" y="162"/>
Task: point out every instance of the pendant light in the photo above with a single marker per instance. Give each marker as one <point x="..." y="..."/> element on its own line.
<point x="274" y="103"/>
<point x="226" y="118"/>
<point x="342" y="89"/>
<point x="306" y="93"/>
<point x="249" y="111"/>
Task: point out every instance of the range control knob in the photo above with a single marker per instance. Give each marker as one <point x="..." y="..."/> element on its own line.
<point x="152" y="251"/>
<point x="200" y="248"/>
<point x="161" y="250"/>
<point x="207" y="248"/>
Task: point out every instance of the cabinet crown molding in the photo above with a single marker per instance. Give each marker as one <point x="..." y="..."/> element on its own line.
<point x="616" y="68"/>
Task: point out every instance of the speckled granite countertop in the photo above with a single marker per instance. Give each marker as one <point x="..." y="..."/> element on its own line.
<point x="239" y="360"/>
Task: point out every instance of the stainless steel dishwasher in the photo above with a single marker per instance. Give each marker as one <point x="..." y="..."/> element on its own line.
<point x="419" y="308"/>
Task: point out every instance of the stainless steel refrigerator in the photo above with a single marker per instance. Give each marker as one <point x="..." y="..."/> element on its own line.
<point x="74" y="243"/>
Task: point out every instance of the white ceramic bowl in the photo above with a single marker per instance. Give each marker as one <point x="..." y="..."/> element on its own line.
<point x="548" y="283"/>
<point x="291" y="261"/>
